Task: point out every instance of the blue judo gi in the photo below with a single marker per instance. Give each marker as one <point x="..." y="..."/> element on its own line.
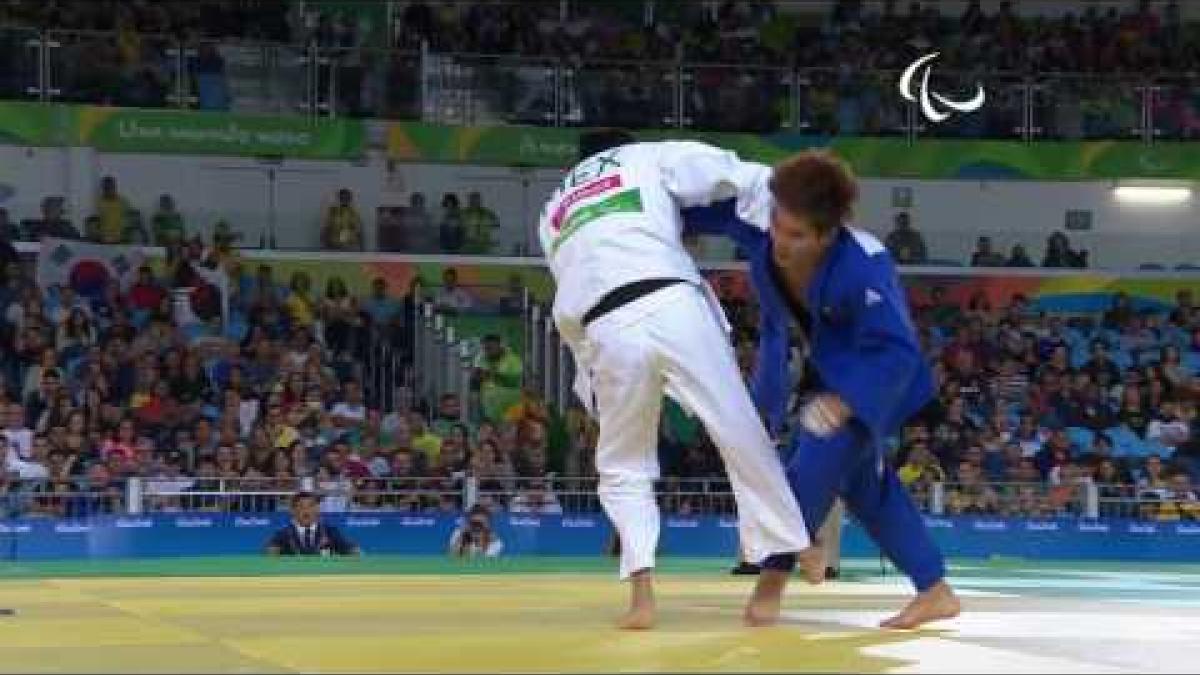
<point x="863" y="348"/>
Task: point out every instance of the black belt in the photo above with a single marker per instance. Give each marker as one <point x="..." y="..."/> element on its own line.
<point x="623" y="295"/>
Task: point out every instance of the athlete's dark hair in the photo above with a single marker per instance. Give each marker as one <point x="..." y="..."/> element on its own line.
<point x="599" y="140"/>
<point x="816" y="185"/>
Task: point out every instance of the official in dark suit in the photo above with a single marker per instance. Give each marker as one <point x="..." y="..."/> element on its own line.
<point x="307" y="535"/>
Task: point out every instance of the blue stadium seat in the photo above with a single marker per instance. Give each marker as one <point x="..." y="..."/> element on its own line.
<point x="1125" y="442"/>
<point x="1123" y="359"/>
<point x="1081" y="437"/>
<point x="1079" y="356"/>
<point x="140" y="318"/>
<point x="1157" y="267"/>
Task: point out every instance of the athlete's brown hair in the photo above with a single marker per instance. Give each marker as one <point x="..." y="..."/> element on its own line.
<point x="817" y="185"/>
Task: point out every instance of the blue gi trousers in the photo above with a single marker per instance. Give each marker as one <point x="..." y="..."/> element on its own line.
<point x="849" y="464"/>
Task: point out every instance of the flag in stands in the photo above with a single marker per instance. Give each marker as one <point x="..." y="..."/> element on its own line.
<point x="86" y="267"/>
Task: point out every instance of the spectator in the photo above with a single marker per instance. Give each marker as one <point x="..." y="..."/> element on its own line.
<point x="146" y="294"/>
<point x="1179" y="500"/>
<point x="1019" y="258"/>
<point x="452" y="298"/>
<point x="112" y="212"/>
<point x="1059" y="253"/>
<point x="1169" y="426"/>
<point x="9" y="231"/>
<point x="384" y="310"/>
<point x="537" y="497"/>
<point x="906" y="244"/>
<point x="52" y="223"/>
<point x="497" y="376"/>
<point x="1121" y="313"/>
<point x="212" y="89"/>
<point x="1099" y="366"/>
<point x="340" y="317"/>
<point x="417" y="226"/>
<point x="168" y="225"/>
<point x="451" y="228"/>
<point x="475" y="538"/>
<point x="480" y="224"/>
<point x="301" y="309"/>
<point x="307" y="535"/>
<point x="984" y="256"/>
<point x="343" y="230"/>
<point x="1181" y="314"/>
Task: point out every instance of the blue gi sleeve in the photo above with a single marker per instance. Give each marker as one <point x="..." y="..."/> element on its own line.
<point x="878" y="370"/>
<point x="720" y="219"/>
<point x="769" y="387"/>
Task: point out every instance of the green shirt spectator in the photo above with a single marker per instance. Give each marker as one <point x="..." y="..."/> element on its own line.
<point x="167" y="223"/>
<point x="498" y="374"/>
<point x="480" y="222"/>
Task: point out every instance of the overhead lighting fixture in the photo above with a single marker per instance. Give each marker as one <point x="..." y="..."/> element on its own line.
<point x="1144" y="194"/>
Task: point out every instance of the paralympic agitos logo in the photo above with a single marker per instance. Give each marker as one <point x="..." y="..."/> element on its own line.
<point x="927" y="97"/>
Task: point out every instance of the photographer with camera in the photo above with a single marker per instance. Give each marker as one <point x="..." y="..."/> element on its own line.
<point x="474" y="538"/>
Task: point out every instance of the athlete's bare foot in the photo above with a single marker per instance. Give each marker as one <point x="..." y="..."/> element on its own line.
<point x="767" y="598"/>
<point x="641" y="605"/>
<point x="812" y="564"/>
<point x="935" y="604"/>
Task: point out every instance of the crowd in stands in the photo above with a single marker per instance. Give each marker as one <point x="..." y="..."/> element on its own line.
<point x="116" y="219"/>
<point x="855" y="49"/>
<point x="98" y="388"/>
<point x="907" y="245"/>
<point x="1031" y="406"/>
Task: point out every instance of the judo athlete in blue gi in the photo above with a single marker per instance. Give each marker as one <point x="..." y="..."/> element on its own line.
<point x="865" y="372"/>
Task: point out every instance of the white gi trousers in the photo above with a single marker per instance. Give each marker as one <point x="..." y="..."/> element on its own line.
<point x="671" y="341"/>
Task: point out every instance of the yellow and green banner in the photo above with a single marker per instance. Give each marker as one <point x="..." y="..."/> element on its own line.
<point x="35" y="124"/>
<point x="212" y="133"/>
<point x="870" y="157"/>
<point x="196" y="133"/>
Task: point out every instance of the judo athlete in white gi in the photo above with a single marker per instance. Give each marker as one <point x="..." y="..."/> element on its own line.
<point x="641" y="321"/>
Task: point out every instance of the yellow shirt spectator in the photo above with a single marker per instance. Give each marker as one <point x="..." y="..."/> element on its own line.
<point x="343" y="226"/>
<point x="111" y="212"/>
<point x="301" y="309"/>
<point x="430" y="444"/>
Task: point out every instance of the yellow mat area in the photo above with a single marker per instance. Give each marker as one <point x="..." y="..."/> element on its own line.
<point x="404" y="623"/>
<point x="1018" y="620"/>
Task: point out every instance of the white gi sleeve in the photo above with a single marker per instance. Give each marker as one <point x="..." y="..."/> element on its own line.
<point x="697" y="174"/>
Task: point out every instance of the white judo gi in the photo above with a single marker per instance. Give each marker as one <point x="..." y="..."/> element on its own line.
<point x="615" y="220"/>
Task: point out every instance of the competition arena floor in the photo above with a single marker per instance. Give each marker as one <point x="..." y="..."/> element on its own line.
<point x="541" y="614"/>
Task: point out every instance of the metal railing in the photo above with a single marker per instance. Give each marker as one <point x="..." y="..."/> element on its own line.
<point x="1009" y="499"/>
<point x="544" y="495"/>
<point x="482" y="89"/>
<point x="63" y="499"/>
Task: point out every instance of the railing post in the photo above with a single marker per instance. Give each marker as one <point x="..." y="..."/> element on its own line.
<point x="464" y="382"/>
<point x="535" y="320"/>
<point x="937" y="499"/>
<point x="133" y="496"/>
<point x="439" y="382"/>
<point x="1091" y="500"/>
<point x="564" y="365"/>
<point x="470" y="495"/>
<point x="450" y="364"/>
<point x="559" y="97"/>
<point x="679" y="95"/>
<point x="1027" y="110"/>
<point x="1147" y="102"/>
<point x="549" y="358"/>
